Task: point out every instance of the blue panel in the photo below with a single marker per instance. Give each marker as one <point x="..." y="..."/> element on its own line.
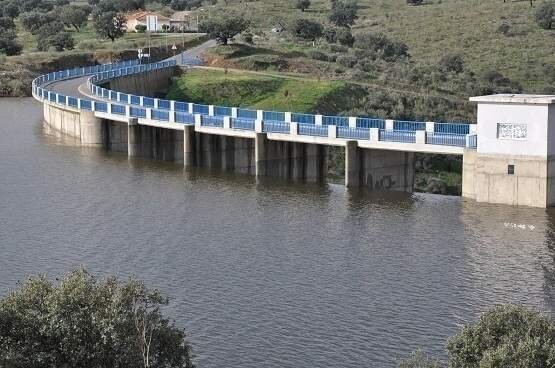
<point x="315" y="130"/>
<point x="335" y="120"/>
<point x="274" y="116"/>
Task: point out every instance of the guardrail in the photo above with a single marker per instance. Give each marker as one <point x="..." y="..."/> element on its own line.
<point x="132" y="106"/>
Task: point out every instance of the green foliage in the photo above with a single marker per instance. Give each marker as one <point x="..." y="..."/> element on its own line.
<point x="224" y="29"/>
<point x="86" y="322"/>
<point x="378" y="45"/>
<point x="302" y="4"/>
<point x="110" y="25"/>
<point x="6" y="23"/>
<point x="344" y="13"/>
<point x="9" y="8"/>
<point x="345" y="37"/>
<point x="419" y="360"/>
<point x="330" y="34"/>
<point x="415" y="2"/>
<point x="307" y="29"/>
<point x="185" y="4"/>
<point x="452" y="63"/>
<point x="60" y="41"/>
<point x="8" y="43"/>
<point x="545" y="15"/>
<point x="35" y="20"/>
<point x="506" y="336"/>
<point x="74" y="16"/>
<point x="141" y="28"/>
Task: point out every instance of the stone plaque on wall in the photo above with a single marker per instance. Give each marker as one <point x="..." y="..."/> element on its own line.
<point x="512" y="131"/>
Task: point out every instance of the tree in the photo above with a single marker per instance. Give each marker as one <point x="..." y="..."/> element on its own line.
<point x="379" y="46"/>
<point x="74" y="16"/>
<point x="9" y="9"/>
<point x="60" y="41"/>
<point x="86" y="322"/>
<point x="345" y="37"/>
<point x="419" y="360"/>
<point x="8" y="43"/>
<point x="109" y="25"/>
<point x="6" y="23"/>
<point x="33" y="21"/>
<point x="344" y="13"/>
<point x="185" y="4"/>
<point x="452" y="63"/>
<point x="224" y="29"/>
<point x="302" y="4"/>
<point x="307" y="29"/>
<point x="506" y="336"/>
<point x="545" y="15"/>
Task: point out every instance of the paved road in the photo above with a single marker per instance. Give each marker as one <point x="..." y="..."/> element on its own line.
<point x="70" y="87"/>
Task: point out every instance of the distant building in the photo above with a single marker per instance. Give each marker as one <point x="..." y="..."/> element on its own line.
<point x="181" y="19"/>
<point x="154" y="22"/>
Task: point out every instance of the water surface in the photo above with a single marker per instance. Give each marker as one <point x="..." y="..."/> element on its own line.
<point x="267" y="274"/>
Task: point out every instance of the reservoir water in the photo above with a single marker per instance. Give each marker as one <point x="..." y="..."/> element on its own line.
<point x="267" y="274"/>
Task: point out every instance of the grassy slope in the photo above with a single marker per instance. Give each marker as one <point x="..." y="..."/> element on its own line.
<point x="253" y="90"/>
<point x="437" y="28"/>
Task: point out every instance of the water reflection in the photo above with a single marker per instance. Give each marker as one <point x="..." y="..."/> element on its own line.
<point x="268" y="272"/>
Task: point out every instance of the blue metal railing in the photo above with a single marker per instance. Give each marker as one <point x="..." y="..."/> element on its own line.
<point x="135" y="100"/>
<point x="303" y="118"/>
<point x="200" y="109"/>
<point x="451" y="128"/>
<point x="315" y="130"/>
<point x="148" y="102"/>
<point x="353" y="133"/>
<point x="275" y="127"/>
<point x="370" y="123"/>
<point x="184" y="118"/>
<point x="137" y="112"/>
<point x="274" y="116"/>
<point x="181" y="106"/>
<point x="164" y="104"/>
<point x="213" y="121"/>
<point x="222" y="111"/>
<point x="101" y="106"/>
<point x="243" y="124"/>
<point x="162" y="115"/>
<point x="408" y="126"/>
<point x="72" y="101"/>
<point x="118" y="109"/>
<point x="446" y="139"/>
<point x="397" y="136"/>
<point x="335" y="120"/>
<point x="86" y="105"/>
<point x="123" y="97"/>
<point x="247" y="114"/>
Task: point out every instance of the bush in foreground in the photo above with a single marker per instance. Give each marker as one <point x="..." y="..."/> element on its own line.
<point x="85" y="322"/>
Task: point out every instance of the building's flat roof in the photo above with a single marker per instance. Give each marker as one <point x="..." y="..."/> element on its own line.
<point x="516" y="99"/>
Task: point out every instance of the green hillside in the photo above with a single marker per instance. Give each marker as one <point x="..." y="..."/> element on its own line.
<point x="520" y="50"/>
<point x="256" y="91"/>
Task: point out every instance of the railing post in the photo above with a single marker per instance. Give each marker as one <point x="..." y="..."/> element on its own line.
<point x="190" y="107"/>
<point x="473" y="128"/>
<point x="66" y="101"/>
<point x="93" y="106"/>
<point x="258" y="125"/>
<point x="118" y="96"/>
<point x="198" y="121"/>
<point x="352" y="122"/>
<point x="141" y="100"/>
<point x="332" y="131"/>
<point x="210" y="110"/>
<point x="172" y="105"/>
<point x="318" y="119"/>
<point x="149" y="113"/>
<point x="260" y="114"/>
<point x="421" y="137"/>
<point x="374" y="135"/>
<point x="467" y="140"/>
<point x="430" y="127"/>
<point x="234" y="112"/>
<point x="227" y="122"/>
<point x="294" y="128"/>
<point x="109" y="109"/>
<point x="171" y="115"/>
<point x="288" y="117"/>
<point x="156" y="103"/>
<point x="79" y="103"/>
<point x="128" y="111"/>
<point x="389" y="124"/>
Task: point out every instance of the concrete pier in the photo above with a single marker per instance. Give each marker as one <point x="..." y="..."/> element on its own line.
<point x="378" y="169"/>
<point x="155" y="143"/>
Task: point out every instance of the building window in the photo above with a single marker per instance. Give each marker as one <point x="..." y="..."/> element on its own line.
<point x="511" y="169"/>
<point x="512" y="131"/>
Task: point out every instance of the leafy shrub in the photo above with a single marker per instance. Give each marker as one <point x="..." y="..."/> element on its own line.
<point x="545" y="14"/>
<point x="415" y="2"/>
<point x="347" y="61"/>
<point x="504" y="29"/>
<point x="87" y="45"/>
<point x="318" y="55"/>
<point x="8" y="43"/>
<point x="381" y="46"/>
<point x="345" y="37"/>
<point x="307" y="29"/>
<point x="506" y="336"/>
<point x="338" y="48"/>
<point x="330" y="34"/>
<point x="452" y="63"/>
<point x="344" y="13"/>
<point x="141" y="28"/>
<point x="419" y="360"/>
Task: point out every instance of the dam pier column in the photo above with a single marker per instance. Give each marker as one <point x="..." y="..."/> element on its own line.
<point x="189" y="146"/>
<point x="260" y="143"/>
<point x="378" y="169"/>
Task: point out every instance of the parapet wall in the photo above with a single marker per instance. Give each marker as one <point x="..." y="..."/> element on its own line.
<point x="154" y="83"/>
